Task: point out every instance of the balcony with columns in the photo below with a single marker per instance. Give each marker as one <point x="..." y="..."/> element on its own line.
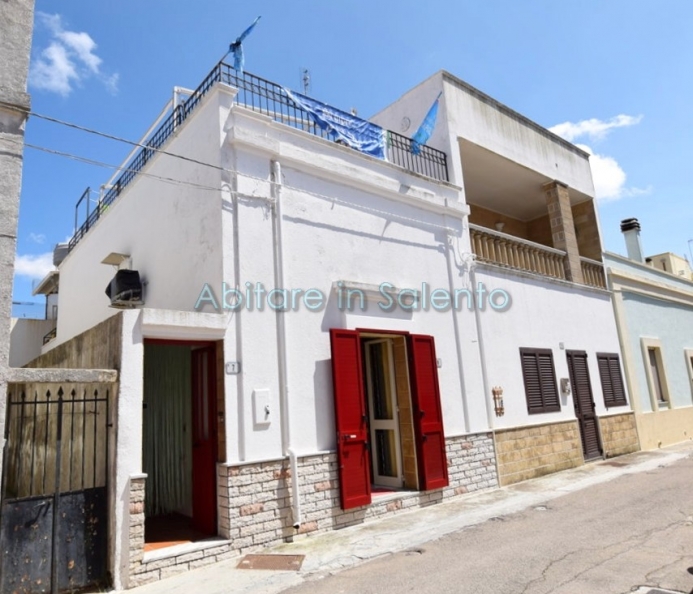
<point x="522" y="220"/>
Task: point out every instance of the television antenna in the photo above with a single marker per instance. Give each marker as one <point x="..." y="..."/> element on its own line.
<point x="305" y="81"/>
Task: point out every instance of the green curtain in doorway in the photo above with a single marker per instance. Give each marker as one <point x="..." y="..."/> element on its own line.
<point x="167" y="456"/>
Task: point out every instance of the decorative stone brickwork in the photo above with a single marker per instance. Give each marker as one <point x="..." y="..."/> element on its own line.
<point x="528" y="452"/>
<point x="142" y="571"/>
<point x="563" y="228"/>
<point x="255" y="504"/>
<point x="471" y="464"/>
<point x="587" y="230"/>
<point x="619" y="434"/>
<point x="136" y="524"/>
<point x="259" y="495"/>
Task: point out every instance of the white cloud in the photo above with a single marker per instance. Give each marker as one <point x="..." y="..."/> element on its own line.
<point x="33" y="266"/>
<point x="111" y="82"/>
<point x="593" y="128"/>
<point x="609" y="178"/>
<point x="54" y="71"/>
<point x="37" y="237"/>
<point x="69" y="59"/>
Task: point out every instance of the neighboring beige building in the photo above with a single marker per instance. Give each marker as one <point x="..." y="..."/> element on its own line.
<point x="671" y="263"/>
<point x="654" y="313"/>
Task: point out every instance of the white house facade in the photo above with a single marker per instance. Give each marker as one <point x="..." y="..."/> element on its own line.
<point x="325" y="336"/>
<point x="534" y="230"/>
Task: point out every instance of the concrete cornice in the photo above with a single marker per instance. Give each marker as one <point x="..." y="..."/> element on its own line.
<point x="336" y="163"/>
<point x="451" y="78"/>
<point x="58" y="376"/>
<point x="650" y="270"/>
<point x="497" y="268"/>
<point x="622" y="281"/>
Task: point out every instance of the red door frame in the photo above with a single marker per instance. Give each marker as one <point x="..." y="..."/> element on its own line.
<point x="204" y="438"/>
<point x="205" y="454"/>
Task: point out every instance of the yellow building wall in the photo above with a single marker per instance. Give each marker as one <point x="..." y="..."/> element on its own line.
<point x="664" y="427"/>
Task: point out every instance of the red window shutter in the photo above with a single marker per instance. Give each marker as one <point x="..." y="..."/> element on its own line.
<point x="428" y="414"/>
<point x="350" y="417"/>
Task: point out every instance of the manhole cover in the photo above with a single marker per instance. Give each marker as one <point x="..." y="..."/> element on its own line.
<point x="274" y="562"/>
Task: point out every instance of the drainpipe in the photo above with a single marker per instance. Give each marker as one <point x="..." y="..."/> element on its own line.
<point x="284" y="411"/>
<point x="482" y="351"/>
<point x="484" y="375"/>
<point x="458" y="339"/>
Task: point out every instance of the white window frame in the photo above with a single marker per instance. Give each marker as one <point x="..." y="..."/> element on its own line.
<point x="656" y="344"/>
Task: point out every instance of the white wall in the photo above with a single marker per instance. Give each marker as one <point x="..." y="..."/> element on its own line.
<point x="171" y="231"/>
<point x="466" y="112"/>
<point x="26" y="339"/>
<point x="346" y="217"/>
<point x="544" y="314"/>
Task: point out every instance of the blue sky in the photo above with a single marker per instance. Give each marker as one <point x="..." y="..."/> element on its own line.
<point x="613" y="76"/>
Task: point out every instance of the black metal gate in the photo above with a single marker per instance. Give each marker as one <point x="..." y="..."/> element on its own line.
<point x="53" y="522"/>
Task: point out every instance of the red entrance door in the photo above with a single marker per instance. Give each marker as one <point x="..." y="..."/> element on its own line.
<point x="204" y="436"/>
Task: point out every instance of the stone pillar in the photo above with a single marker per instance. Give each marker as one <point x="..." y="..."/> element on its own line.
<point x="136" y="527"/>
<point x="16" y="26"/>
<point x="563" y="228"/>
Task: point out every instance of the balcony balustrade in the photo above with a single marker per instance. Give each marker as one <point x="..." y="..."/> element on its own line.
<point x="593" y="273"/>
<point x="513" y="252"/>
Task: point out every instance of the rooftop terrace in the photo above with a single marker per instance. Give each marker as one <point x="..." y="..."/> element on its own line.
<point x="264" y="97"/>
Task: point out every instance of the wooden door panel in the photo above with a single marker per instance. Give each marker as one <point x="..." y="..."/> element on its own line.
<point x="204" y="438"/>
<point x="428" y="414"/>
<point x="350" y="419"/>
<point x="584" y="404"/>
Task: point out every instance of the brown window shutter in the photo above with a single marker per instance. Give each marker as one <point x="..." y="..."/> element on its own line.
<point x="539" y="377"/>
<point x="605" y="377"/>
<point x="612" y="381"/>
<point x="549" y="388"/>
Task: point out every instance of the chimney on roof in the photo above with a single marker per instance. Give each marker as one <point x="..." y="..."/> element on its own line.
<point x="631" y="232"/>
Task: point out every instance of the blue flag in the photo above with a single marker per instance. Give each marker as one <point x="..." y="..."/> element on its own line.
<point x="343" y="127"/>
<point x="237" y="47"/>
<point x="426" y="129"/>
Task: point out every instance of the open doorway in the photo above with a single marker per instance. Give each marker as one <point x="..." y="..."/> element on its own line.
<point x="180" y="448"/>
<point x="388" y="413"/>
<point x="390" y="424"/>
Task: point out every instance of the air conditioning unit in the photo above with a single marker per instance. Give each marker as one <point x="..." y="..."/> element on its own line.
<point x="125" y="290"/>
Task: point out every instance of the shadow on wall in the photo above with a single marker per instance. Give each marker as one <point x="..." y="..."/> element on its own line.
<point x="324" y="409"/>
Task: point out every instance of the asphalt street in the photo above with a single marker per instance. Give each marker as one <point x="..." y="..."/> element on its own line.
<point x="611" y="538"/>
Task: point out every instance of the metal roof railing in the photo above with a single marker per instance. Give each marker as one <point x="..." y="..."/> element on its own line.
<point x="264" y="97"/>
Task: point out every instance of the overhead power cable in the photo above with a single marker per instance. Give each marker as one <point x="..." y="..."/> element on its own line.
<point x="119" y="139"/>
<point x="88" y="161"/>
<point x="117" y="167"/>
